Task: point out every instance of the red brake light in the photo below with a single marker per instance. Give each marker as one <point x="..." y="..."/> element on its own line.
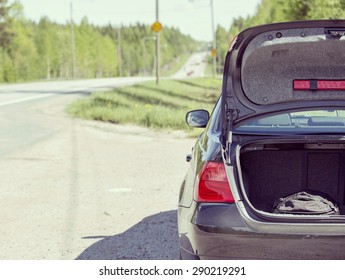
<point x="212" y="184"/>
<point x="314" y="85"/>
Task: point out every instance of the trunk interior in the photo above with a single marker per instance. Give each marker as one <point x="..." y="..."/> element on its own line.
<point x="272" y="171"/>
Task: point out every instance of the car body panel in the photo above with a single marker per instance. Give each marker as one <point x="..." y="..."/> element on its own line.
<point x="246" y="96"/>
<point x="231" y="238"/>
<point x="237" y="230"/>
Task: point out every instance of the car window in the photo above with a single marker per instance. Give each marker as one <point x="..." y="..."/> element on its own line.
<point x="297" y="122"/>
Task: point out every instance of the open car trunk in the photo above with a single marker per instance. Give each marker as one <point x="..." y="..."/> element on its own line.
<point x="272" y="171"/>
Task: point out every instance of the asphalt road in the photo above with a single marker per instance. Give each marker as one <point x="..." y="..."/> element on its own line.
<point x="73" y="189"/>
<point x="194" y="67"/>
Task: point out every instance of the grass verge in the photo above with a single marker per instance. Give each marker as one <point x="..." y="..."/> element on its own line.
<point x="149" y="105"/>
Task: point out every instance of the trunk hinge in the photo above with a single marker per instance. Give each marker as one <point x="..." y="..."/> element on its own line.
<point x="231" y="115"/>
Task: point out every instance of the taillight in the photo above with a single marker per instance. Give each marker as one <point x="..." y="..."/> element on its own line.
<point x="212" y="184"/>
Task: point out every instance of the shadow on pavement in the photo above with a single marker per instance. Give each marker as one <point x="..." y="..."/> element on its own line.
<point x="154" y="238"/>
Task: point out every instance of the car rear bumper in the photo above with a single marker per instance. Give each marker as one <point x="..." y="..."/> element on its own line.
<point x="219" y="232"/>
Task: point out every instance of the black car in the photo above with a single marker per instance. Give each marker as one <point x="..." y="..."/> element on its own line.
<point x="267" y="175"/>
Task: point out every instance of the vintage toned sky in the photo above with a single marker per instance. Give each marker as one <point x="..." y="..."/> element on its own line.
<point x="190" y="16"/>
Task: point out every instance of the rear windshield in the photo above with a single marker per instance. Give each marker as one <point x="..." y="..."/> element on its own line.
<point x="275" y="61"/>
<point x="316" y="121"/>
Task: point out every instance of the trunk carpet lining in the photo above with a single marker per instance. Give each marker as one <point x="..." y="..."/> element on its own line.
<point x="269" y="175"/>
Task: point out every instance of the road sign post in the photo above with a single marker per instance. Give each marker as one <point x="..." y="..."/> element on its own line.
<point x="214" y="53"/>
<point x="157" y="27"/>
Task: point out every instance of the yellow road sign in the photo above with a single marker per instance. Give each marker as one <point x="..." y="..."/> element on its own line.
<point x="156" y="26"/>
<point x="214" y="53"/>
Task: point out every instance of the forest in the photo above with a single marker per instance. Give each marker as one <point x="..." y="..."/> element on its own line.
<point x="269" y="11"/>
<point x="43" y="50"/>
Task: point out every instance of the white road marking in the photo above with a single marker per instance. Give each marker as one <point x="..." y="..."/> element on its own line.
<point x="26" y="99"/>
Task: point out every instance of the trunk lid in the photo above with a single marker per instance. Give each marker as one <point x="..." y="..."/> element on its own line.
<point x="283" y="66"/>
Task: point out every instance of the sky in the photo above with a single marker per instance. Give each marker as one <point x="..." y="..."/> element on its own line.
<point x="192" y="17"/>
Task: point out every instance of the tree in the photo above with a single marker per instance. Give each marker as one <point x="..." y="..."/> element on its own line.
<point x="223" y="42"/>
<point x="6" y="33"/>
<point x="46" y="42"/>
<point x="35" y="51"/>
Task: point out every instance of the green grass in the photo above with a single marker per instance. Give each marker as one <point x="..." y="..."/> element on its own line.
<point x="159" y="107"/>
<point x="209" y="70"/>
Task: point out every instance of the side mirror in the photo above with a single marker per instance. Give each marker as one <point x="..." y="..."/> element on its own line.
<point x="197" y="118"/>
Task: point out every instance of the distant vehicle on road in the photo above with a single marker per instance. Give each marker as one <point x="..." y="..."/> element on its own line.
<point x="190" y="73"/>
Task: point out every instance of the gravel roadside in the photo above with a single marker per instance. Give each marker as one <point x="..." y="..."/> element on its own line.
<point x="74" y="189"/>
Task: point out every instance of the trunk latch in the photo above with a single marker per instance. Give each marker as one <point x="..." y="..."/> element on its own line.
<point x="334" y="33"/>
